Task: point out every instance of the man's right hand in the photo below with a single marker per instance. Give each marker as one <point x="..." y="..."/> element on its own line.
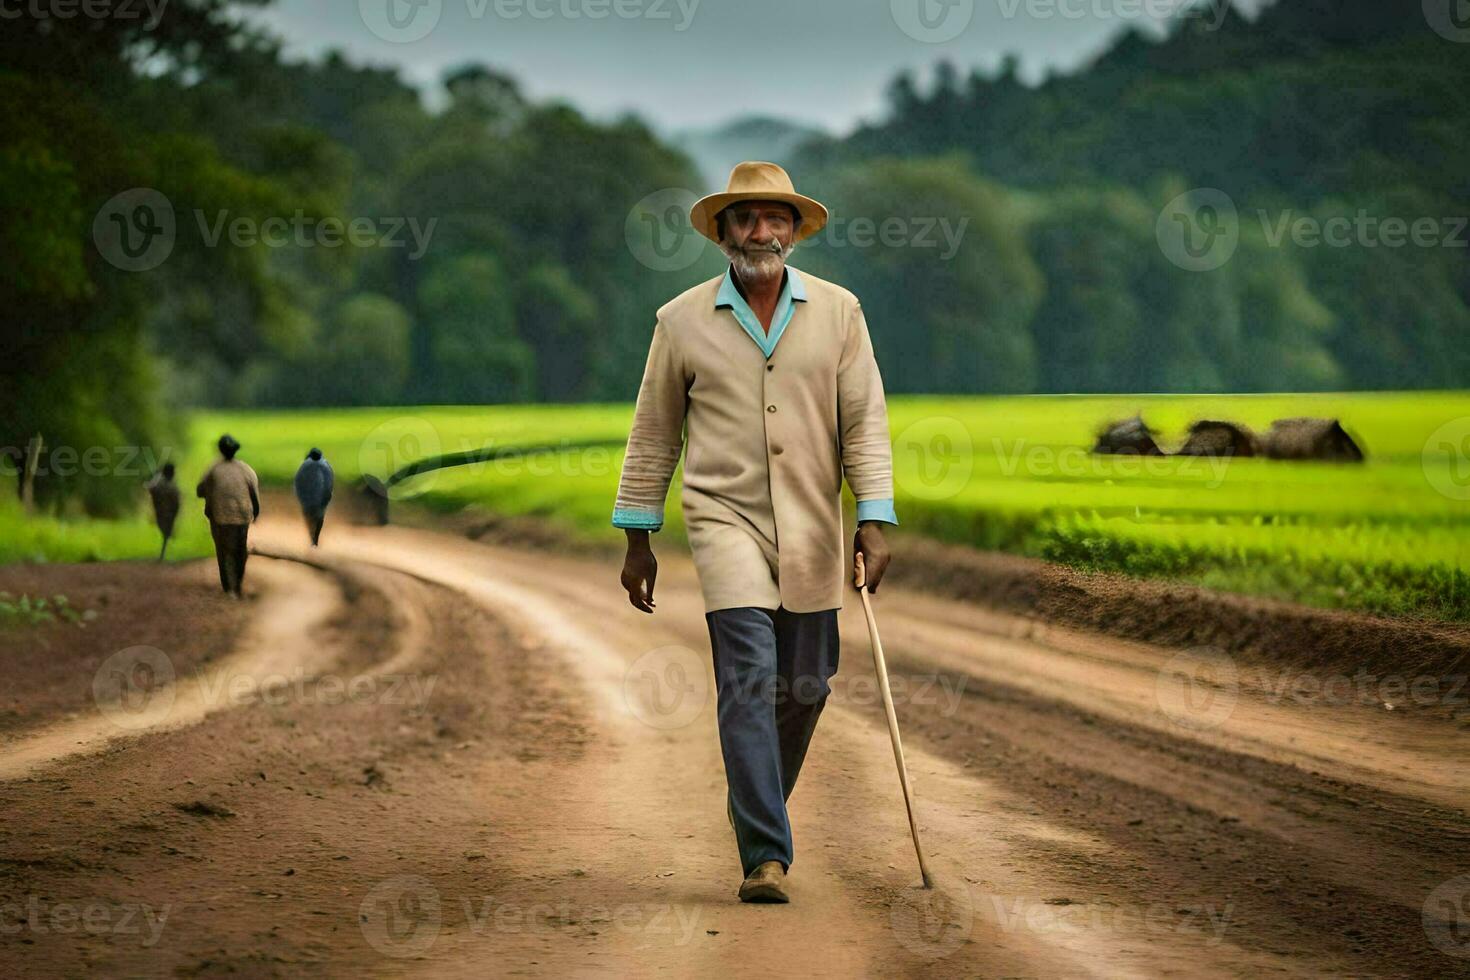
<point x="640" y="569"/>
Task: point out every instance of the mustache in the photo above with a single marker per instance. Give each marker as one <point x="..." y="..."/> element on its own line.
<point x="774" y="246"/>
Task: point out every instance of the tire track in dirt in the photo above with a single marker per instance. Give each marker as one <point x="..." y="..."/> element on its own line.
<point x="654" y="789"/>
<point x="278" y="642"/>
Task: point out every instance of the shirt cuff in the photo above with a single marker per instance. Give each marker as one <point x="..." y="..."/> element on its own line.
<point x="876" y="510"/>
<point x="635" y="519"/>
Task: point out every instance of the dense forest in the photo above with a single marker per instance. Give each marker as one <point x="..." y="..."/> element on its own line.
<point x="519" y="284"/>
<point x="1316" y="109"/>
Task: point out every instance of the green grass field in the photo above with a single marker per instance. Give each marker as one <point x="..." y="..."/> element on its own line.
<point x="1391" y="535"/>
<point x="46" y="538"/>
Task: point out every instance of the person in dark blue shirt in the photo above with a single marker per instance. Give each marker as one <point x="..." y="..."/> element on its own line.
<point x="314" y="481"/>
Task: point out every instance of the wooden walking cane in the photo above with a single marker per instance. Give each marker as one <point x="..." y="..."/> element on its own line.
<point x="881" y="667"/>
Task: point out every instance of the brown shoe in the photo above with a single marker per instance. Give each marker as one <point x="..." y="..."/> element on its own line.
<point x="767" y="883"/>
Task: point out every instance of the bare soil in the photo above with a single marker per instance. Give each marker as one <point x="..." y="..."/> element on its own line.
<point x="447" y="757"/>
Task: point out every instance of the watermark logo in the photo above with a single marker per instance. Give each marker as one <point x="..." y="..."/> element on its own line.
<point x="1197" y="689"/>
<point x="1446" y="917"/>
<point x="97" y="918"/>
<point x="401" y="916"/>
<point x="1199" y="230"/>
<point x="395" y="444"/>
<point x="134" y="687"/>
<point x="1211" y="12"/>
<point x="1450" y="19"/>
<point x="1446" y="459"/>
<point x="666" y="687"/>
<point x="1363" y="230"/>
<point x="932" y="21"/>
<point x="121" y="10"/>
<point x="658" y="232"/>
<point x="934" y="457"/>
<point x="136" y="230"/>
<point x="934" y="922"/>
<point x="401" y="21"/>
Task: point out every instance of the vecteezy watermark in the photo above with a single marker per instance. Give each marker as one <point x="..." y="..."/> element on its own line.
<point x="402" y="916"/>
<point x="137" y="231"/>
<point x="659" y="235"/>
<point x="894" y="232"/>
<point x="38" y="916"/>
<point x="1363" y="230"/>
<point x="394" y="447"/>
<point x="137" y="688"/>
<point x="1391" y="691"/>
<point x="932" y="21"/>
<point x="935" y="923"/>
<point x="1199" y="230"/>
<point x="302" y="231"/>
<point x="1450" y="19"/>
<point x="1211" y="12"/>
<point x="667" y="687"/>
<point x="395" y="444"/>
<point x="134" y="688"/>
<point x="407" y="21"/>
<point x="1063" y="915"/>
<point x="937" y="21"/>
<point x="1039" y="460"/>
<point x="122" y="10"/>
<point x="933" y="457"/>
<point x="1446" y="917"/>
<point x="1197" y="689"/>
<point x="93" y="461"/>
<point x="1446" y="459"/>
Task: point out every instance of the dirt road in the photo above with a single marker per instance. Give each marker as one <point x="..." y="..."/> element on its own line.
<point x="427" y="756"/>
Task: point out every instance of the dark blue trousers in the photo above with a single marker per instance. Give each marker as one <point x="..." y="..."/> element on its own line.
<point x="772" y="668"/>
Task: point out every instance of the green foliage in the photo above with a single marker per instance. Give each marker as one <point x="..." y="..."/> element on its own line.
<point x="940" y="322"/>
<point x="26" y="611"/>
<point x="365" y="358"/>
<point x="1011" y="473"/>
<point x="46" y="538"/>
<point x="1311" y="108"/>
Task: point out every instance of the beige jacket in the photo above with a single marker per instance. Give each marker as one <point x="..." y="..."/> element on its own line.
<point x="230" y="489"/>
<point x="768" y="443"/>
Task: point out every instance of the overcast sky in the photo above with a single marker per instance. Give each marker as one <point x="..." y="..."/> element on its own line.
<point x="682" y="63"/>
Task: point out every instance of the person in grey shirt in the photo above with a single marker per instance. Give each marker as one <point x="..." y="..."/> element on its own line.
<point x="314" y="482"/>
<point x="231" y="494"/>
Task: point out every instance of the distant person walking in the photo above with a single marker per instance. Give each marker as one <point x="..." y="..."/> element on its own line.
<point x="314" y="483"/>
<point x="231" y="493"/>
<point x="165" y="495"/>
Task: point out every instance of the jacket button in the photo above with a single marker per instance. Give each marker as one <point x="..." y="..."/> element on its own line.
<point x="777" y="450"/>
<point x="770" y="408"/>
<point x="770" y="367"/>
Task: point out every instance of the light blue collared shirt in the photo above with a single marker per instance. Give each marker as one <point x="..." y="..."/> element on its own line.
<point x="793" y="291"/>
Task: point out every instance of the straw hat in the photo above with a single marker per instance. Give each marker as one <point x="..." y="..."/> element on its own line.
<point x="755" y="180"/>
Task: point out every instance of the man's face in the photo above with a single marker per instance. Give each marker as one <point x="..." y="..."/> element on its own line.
<point x="758" y="236"/>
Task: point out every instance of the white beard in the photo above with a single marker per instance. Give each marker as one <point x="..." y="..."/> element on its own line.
<point x="756" y="265"/>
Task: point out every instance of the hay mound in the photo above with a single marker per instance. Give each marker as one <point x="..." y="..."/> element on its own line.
<point x="1304" y="438"/>
<point x="1210" y="437"/>
<point x="1130" y="437"/>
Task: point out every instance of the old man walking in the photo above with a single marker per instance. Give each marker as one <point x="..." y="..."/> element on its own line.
<point x="771" y="373"/>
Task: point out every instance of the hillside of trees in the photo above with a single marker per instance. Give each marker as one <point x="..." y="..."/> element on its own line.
<point x="528" y="289"/>
<point x="1317" y="109"/>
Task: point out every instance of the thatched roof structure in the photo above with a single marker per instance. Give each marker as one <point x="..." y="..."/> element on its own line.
<point x="1130" y="437"/>
<point x="1305" y="438"/>
<point x="1210" y="437"/>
